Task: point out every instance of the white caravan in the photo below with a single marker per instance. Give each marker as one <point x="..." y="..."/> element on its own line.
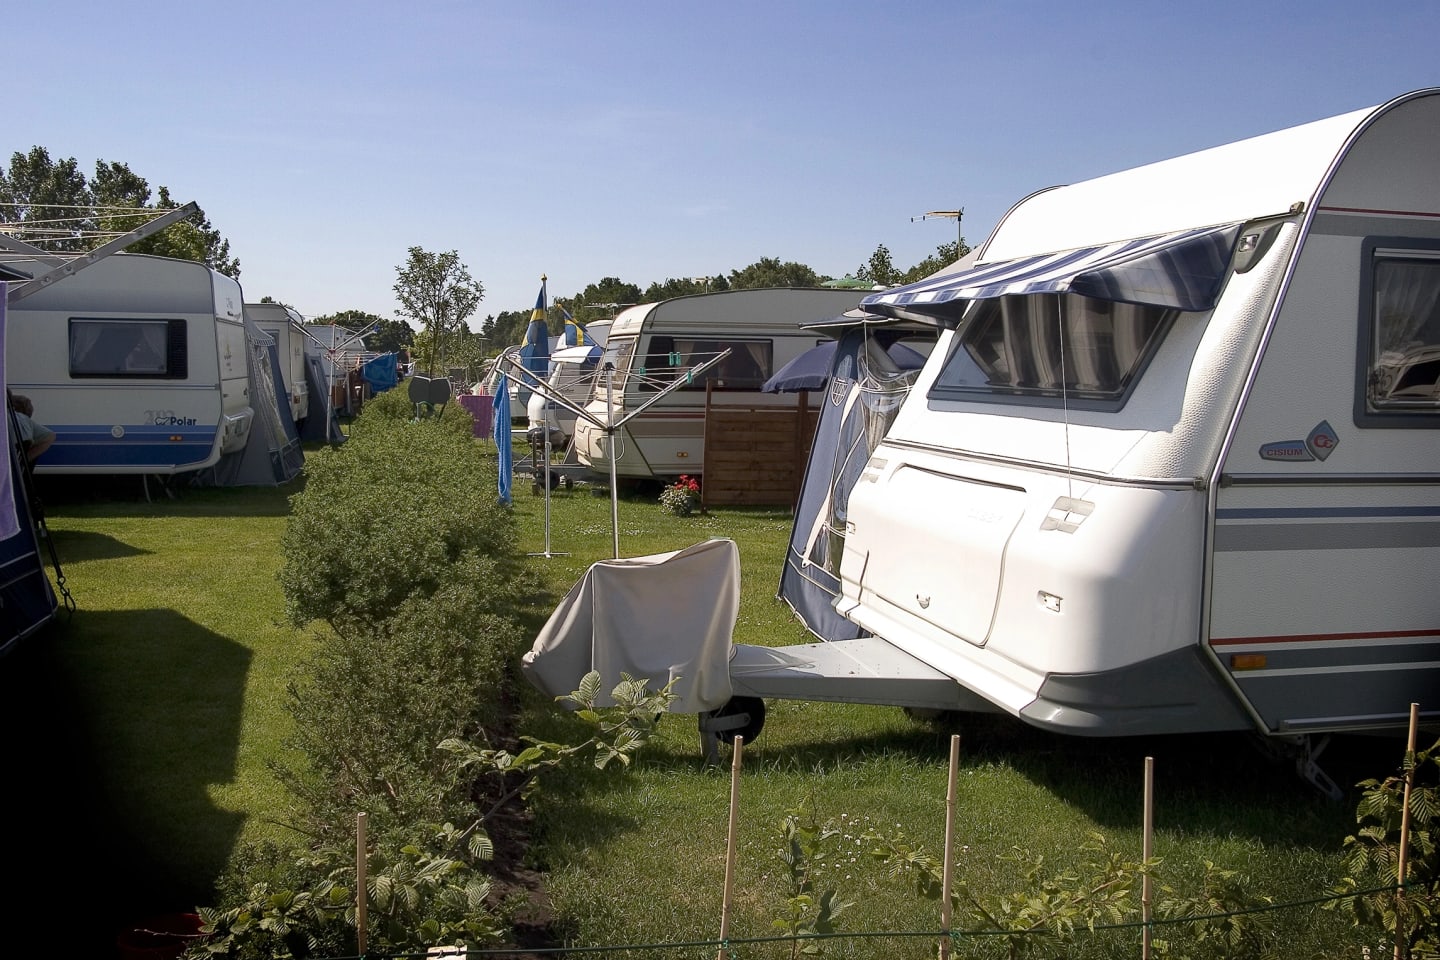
<point x="284" y="324"/>
<point x="1175" y="466"/>
<point x="653" y="344"/>
<point x="136" y="362"/>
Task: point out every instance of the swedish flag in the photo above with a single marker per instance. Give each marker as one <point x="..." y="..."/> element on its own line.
<point x="539" y="312"/>
<point x="574" y="333"/>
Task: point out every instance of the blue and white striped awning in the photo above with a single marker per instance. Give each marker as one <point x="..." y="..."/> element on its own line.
<point x="1183" y="271"/>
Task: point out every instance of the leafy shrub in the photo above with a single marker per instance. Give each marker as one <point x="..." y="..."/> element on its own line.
<point x="394" y="406"/>
<point x="1372" y="856"/>
<point x="383" y="518"/>
<point x="398" y="544"/>
<point x="421" y="893"/>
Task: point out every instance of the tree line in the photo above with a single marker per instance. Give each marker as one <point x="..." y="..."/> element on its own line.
<point x="52" y="204"/>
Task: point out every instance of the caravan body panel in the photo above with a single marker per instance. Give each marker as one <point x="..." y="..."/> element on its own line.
<point x="1328" y="517"/>
<point x="138" y="365"/>
<point x="1229" y="537"/>
<point x="761" y="328"/>
<point x="283" y="323"/>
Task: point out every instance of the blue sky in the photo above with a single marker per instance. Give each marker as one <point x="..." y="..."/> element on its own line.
<point x="654" y="140"/>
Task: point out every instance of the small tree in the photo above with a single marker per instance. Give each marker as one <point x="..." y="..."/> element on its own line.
<point x="944" y="255"/>
<point x="1410" y="919"/>
<point x="879" y="268"/>
<point x="436" y="290"/>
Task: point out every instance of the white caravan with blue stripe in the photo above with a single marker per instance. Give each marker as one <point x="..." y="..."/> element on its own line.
<point x="1174" y="465"/>
<point x="137" y="363"/>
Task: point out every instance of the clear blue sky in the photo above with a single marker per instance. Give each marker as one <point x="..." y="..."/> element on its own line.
<point x="653" y="140"/>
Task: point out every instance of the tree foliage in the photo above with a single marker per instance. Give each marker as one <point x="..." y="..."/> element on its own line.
<point x="502" y="330"/>
<point x="944" y="255"/>
<point x="388" y="336"/>
<point x="436" y="290"/>
<point x="66" y="212"/>
<point x="685" y="287"/>
<point x="771" y="272"/>
<point x="880" y="268"/>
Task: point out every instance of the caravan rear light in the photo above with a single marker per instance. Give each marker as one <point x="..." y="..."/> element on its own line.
<point x="1247" y="661"/>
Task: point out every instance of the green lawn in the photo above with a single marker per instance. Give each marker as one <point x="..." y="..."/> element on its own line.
<point x="142" y="731"/>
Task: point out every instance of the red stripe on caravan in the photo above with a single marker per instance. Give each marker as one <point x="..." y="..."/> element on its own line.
<point x="1313" y="637"/>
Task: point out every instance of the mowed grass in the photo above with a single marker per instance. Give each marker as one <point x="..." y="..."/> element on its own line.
<point x="164" y="708"/>
<point x="639" y="859"/>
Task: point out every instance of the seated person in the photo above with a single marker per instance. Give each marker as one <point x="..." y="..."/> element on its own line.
<point x="35" y="437"/>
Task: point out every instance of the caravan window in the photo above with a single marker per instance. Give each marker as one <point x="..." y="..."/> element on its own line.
<point x="748" y="366"/>
<point x="619" y="352"/>
<point x="1047" y="346"/>
<point x="1403" y="365"/>
<point x="147" y="349"/>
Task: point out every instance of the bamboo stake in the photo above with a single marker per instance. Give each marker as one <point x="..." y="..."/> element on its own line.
<point x="1402" y="865"/>
<point x="735" y="758"/>
<point x="947" y="871"/>
<point x="1147" y="850"/>
<point x="361" y="879"/>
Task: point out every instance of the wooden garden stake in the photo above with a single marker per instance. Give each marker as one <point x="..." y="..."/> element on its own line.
<point x="739" y="750"/>
<point x="1147" y="850"/>
<point x="948" y="868"/>
<point x="1401" y="864"/>
<point x="360" y="881"/>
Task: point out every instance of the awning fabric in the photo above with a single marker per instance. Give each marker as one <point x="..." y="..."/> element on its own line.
<point x="1183" y="271"/>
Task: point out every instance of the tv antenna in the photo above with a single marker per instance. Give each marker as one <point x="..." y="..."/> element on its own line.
<point x="956" y="215"/>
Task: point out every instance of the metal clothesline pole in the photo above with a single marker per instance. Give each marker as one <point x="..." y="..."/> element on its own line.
<point x="609" y="425"/>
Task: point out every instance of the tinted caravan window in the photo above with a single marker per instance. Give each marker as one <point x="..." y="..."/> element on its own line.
<point x="141" y="349"/>
<point x="1402" y="374"/>
<point x="1045" y="346"/>
<point x="748" y="366"/>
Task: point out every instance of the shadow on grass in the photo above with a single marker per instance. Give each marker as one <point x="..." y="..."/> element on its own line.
<point x="1219" y="783"/>
<point x="110" y="743"/>
<point x="123" y="496"/>
<point x="80" y="545"/>
<point x="1216" y="782"/>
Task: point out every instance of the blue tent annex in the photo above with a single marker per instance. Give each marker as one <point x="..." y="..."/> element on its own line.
<point x="871" y="369"/>
<point x="27" y="601"/>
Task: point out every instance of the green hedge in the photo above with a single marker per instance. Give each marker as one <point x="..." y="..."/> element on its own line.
<point x="399" y="545"/>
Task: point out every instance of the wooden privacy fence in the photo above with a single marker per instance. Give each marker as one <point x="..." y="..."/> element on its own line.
<point x="755" y="455"/>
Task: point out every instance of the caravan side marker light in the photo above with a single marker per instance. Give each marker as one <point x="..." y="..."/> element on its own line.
<point x="1247" y="661"/>
<point x="175" y="439"/>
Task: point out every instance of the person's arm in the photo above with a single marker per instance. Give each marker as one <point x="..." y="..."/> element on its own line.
<point x="41" y="437"/>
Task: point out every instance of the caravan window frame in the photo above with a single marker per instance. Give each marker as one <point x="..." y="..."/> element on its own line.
<point x="169" y="348"/>
<point x="756" y="351"/>
<point x="968" y="375"/>
<point x="618" y="351"/>
<point x="1378" y="255"/>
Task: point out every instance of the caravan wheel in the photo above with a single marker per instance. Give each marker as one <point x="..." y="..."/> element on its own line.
<point x="754" y="710"/>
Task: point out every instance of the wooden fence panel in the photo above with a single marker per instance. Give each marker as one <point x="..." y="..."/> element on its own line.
<point x="755" y="455"/>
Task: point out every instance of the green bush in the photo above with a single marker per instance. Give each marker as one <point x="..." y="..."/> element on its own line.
<point x="398" y="543"/>
<point x="384" y="517"/>
<point x="395" y="406"/>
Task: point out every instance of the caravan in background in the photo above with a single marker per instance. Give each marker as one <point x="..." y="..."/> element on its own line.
<point x="652" y="344"/>
<point x="138" y="362"/>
